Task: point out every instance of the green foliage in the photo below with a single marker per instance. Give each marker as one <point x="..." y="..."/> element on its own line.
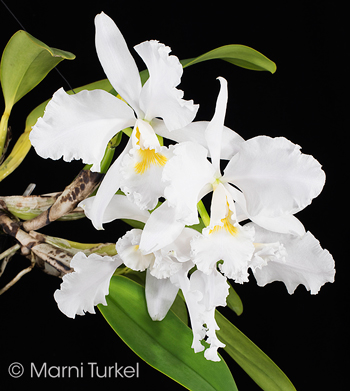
<point x="24" y="64"/>
<point x="253" y="360"/>
<point x="164" y="345"/>
<point x="240" y="55"/>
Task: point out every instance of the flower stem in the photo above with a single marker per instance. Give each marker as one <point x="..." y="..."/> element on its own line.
<point x="203" y="213"/>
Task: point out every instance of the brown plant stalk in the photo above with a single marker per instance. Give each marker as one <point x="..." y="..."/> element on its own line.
<point x="45" y="255"/>
<point x="83" y="185"/>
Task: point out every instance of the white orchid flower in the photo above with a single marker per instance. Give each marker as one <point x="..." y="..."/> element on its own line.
<point x="79" y="126"/>
<point x="167" y="272"/>
<point x="87" y="285"/>
<point x="269" y="179"/>
<point x="161" y="264"/>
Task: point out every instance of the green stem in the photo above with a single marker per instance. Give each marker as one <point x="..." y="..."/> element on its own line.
<point x="203" y="213"/>
<point x="3" y="130"/>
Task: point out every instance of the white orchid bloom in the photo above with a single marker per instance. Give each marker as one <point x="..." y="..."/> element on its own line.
<point x="305" y="261"/>
<point x="161" y="264"/>
<point x="167" y="272"/>
<point x="269" y="178"/>
<point x="79" y="126"/>
<point x="87" y="285"/>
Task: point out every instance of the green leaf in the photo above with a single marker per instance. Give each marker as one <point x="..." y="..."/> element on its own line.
<point x="234" y="301"/>
<point x="164" y="345"/>
<point x="179" y="308"/>
<point x="254" y="361"/>
<point x="240" y="55"/>
<point x="24" y="63"/>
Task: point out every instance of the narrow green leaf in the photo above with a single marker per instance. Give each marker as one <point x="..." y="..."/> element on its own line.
<point x="179" y="308"/>
<point x="234" y="301"/>
<point x="164" y="345"/>
<point x="240" y="55"/>
<point x="254" y="361"/>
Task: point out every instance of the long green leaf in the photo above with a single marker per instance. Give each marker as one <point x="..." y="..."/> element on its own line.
<point x="254" y="361"/>
<point x="164" y="345"/>
<point x="240" y="55"/>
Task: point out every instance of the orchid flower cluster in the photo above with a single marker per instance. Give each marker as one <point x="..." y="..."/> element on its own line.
<point x="256" y="188"/>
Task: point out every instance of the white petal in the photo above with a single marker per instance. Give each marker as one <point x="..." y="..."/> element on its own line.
<point x="79" y="126"/>
<point x="120" y="207"/>
<point x="116" y="60"/>
<point x="109" y="186"/>
<point x="213" y="133"/>
<point x="180" y="248"/>
<point x="188" y="174"/>
<point x="169" y="258"/>
<point x="165" y="264"/>
<point x="306" y="262"/>
<point x="160" y="295"/>
<point x="265" y="252"/>
<point x="203" y="293"/>
<point x="88" y="285"/>
<point x="128" y="250"/>
<point x="274" y="176"/>
<point x="161" y="229"/>
<point x="285" y="224"/>
<point x="192" y="298"/>
<point x="215" y="290"/>
<point x="214" y="287"/>
<point x="195" y="132"/>
<point x="159" y="97"/>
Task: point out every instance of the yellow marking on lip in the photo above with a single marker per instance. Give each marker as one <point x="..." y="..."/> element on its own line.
<point x="228" y="227"/>
<point x="148" y="157"/>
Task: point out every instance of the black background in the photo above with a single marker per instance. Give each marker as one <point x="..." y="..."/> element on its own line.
<point x="305" y="335"/>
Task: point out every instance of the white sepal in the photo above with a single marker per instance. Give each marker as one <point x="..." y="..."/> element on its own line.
<point x="87" y="285"/>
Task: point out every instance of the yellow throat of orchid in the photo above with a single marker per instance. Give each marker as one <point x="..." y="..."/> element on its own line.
<point x="147" y="157"/>
<point x="227" y="226"/>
